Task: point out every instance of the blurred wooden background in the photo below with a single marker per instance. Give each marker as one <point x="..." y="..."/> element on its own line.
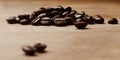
<point x="98" y="42"/>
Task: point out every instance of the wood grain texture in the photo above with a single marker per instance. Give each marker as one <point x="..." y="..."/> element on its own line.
<point x="98" y="42"/>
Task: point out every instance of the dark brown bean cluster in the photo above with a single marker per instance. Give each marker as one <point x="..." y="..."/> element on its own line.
<point x="38" y="47"/>
<point x="59" y="16"/>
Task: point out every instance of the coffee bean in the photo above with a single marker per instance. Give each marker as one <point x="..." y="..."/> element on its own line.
<point x="28" y="50"/>
<point x="42" y="15"/>
<point x="24" y="22"/>
<point x="113" y="21"/>
<point x="65" y="14"/>
<point x="70" y="20"/>
<point x="39" y="11"/>
<point x="60" y="22"/>
<point x="49" y="9"/>
<point x="59" y="8"/>
<point x="98" y="19"/>
<point x="80" y="25"/>
<point x="90" y="20"/>
<point x="80" y="20"/>
<point x="73" y="12"/>
<point x="36" y="21"/>
<point x="82" y="13"/>
<point x="54" y="17"/>
<point x="78" y="15"/>
<point x="45" y="21"/>
<point x="23" y="16"/>
<point x="40" y="47"/>
<point x="11" y="20"/>
<point x="17" y="20"/>
<point x="68" y="9"/>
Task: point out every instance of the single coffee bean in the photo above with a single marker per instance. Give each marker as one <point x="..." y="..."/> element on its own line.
<point x="42" y="15"/>
<point x="80" y="20"/>
<point x="80" y="25"/>
<point x="70" y="20"/>
<point x="32" y="16"/>
<point x="82" y="13"/>
<point x="60" y="22"/>
<point x="49" y="9"/>
<point x="45" y="21"/>
<point x="17" y="20"/>
<point x="73" y="12"/>
<point x="40" y="47"/>
<point x="24" y="22"/>
<point x="59" y="8"/>
<point x="11" y="20"/>
<point x="98" y="19"/>
<point x="68" y="9"/>
<point x="65" y="13"/>
<point x="28" y="50"/>
<point x="78" y="15"/>
<point x="53" y="13"/>
<point x="24" y="16"/>
<point x="36" y="21"/>
<point x="90" y="20"/>
<point x="39" y="11"/>
<point x="113" y="21"/>
<point x="54" y="17"/>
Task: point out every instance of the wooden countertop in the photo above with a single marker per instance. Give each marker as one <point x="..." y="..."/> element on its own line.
<point x="98" y="42"/>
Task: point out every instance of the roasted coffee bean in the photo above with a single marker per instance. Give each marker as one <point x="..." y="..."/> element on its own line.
<point x="80" y="20"/>
<point x="42" y="15"/>
<point x="17" y="20"/>
<point x="24" y="16"/>
<point x="28" y="50"/>
<point x="36" y="21"/>
<point x="113" y="21"/>
<point x="82" y="13"/>
<point x="70" y="20"/>
<point x="59" y="8"/>
<point x="24" y="22"/>
<point x="53" y="13"/>
<point x="40" y="47"/>
<point x="11" y="20"/>
<point x="73" y="12"/>
<point x="54" y="17"/>
<point x="78" y="15"/>
<point x="39" y="11"/>
<point x="60" y="22"/>
<point x="49" y="9"/>
<point x="65" y="14"/>
<point x="68" y="9"/>
<point x="80" y="25"/>
<point x="32" y="16"/>
<point x="98" y="19"/>
<point x="90" y="20"/>
<point x="45" y="21"/>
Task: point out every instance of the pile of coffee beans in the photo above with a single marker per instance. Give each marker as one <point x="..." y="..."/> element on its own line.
<point x="59" y="16"/>
<point x="38" y="47"/>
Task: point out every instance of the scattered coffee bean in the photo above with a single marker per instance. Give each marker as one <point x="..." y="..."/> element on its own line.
<point x="113" y="21"/>
<point x="60" y="22"/>
<point x="98" y="19"/>
<point x="80" y="25"/>
<point x="28" y="50"/>
<point x="11" y="20"/>
<point x="40" y="47"/>
<point x="24" y="21"/>
<point x="45" y="21"/>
